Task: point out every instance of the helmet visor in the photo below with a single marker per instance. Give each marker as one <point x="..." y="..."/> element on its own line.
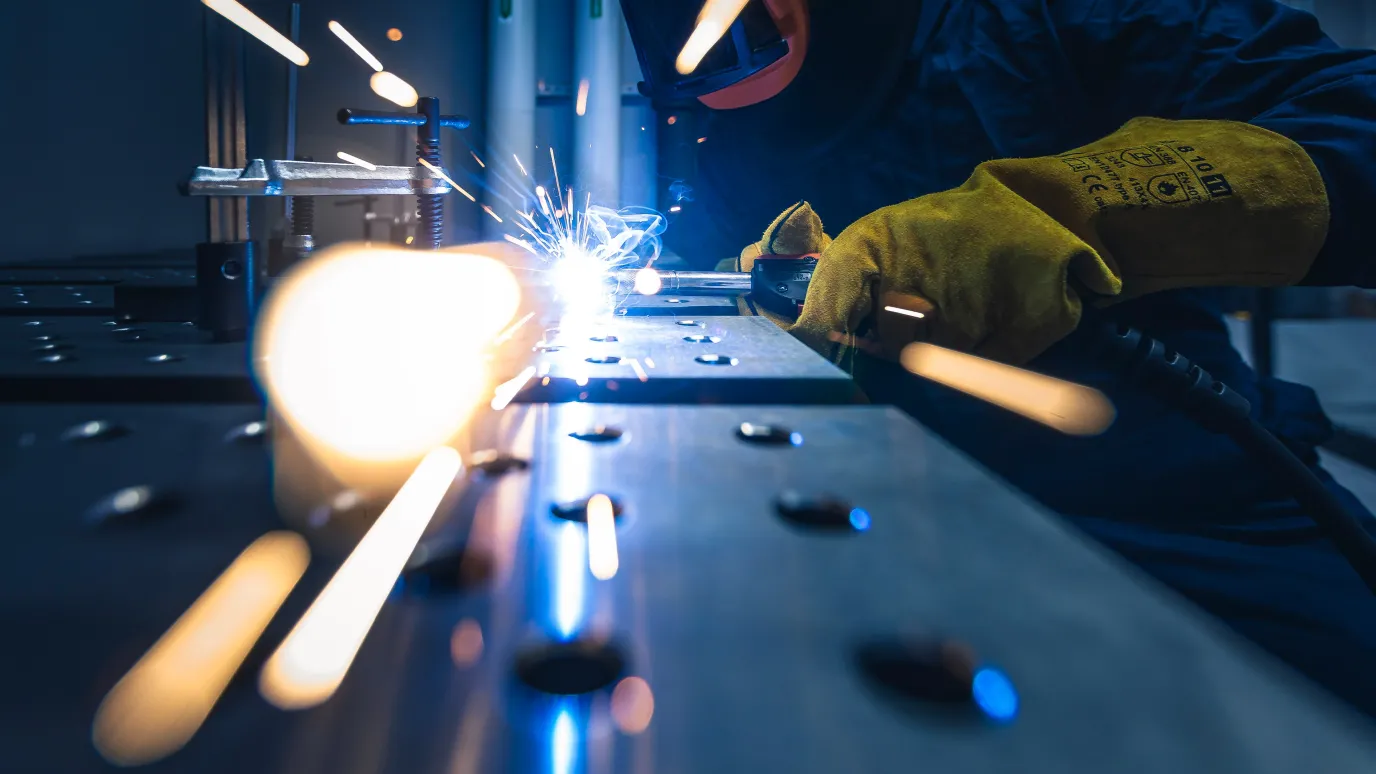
<point x="660" y="28"/>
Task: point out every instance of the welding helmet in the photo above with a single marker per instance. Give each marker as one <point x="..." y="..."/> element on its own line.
<point x="754" y="60"/>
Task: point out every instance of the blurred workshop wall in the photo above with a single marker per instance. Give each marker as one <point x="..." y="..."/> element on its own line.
<point x="556" y="97"/>
<point x="102" y="114"/>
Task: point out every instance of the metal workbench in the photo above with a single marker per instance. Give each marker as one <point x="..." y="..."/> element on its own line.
<point x="765" y="639"/>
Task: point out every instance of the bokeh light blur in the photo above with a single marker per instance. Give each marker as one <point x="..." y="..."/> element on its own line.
<point x="376" y="354"/>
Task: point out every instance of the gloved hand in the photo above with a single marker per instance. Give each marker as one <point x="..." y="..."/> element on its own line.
<point x="797" y="231"/>
<point x="1001" y="265"/>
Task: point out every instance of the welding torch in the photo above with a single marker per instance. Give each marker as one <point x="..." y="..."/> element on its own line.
<point x="777" y="283"/>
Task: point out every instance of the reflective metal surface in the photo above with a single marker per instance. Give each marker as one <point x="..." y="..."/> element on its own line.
<point x="104" y="360"/>
<point x="684" y="360"/>
<point x="312" y="178"/>
<point x="669" y="305"/>
<point x="729" y="638"/>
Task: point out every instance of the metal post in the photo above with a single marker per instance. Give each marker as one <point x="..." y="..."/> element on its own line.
<point x="225" y="133"/>
<point x="511" y="77"/>
<point x="596" y="88"/>
<point x="429" y="207"/>
<point x="294" y="32"/>
<point x="226" y="268"/>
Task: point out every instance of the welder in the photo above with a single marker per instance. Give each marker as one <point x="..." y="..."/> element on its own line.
<point x="1010" y="164"/>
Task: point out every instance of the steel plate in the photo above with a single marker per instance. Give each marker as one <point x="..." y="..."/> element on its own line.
<point x="744" y="628"/>
<point x="656" y="363"/>
<point x="680" y="306"/>
<point x="89" y="359"/>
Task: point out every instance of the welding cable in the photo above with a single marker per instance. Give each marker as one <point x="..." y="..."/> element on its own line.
<point x="1217" y="408"/>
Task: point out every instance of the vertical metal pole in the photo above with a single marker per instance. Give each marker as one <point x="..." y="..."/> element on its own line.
<point x="215" y="227"/>
<point x="429" y="207"/>
<point x="1263" y="333"/>
<point x="235" y="66"/>
<point x="294" y="32"/>
<point x="596" y="87"/>
<point x="226" y="267"/>
<point x="510" y="124"/>
<point x="225" y="133"/>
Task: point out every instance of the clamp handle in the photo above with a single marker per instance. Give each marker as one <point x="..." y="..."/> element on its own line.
<point x="352" y="117"/>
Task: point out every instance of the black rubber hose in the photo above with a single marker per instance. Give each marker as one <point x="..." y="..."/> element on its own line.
<point x="1342" y="528"/>
<point x="1214" y="406"/>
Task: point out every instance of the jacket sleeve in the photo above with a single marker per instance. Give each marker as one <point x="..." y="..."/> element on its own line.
<point x="1246" y="60"/>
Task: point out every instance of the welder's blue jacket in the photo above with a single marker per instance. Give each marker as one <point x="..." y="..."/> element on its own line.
<point x="935" y="88"/>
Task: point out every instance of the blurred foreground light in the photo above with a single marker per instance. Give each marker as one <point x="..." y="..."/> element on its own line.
<point x="259" y="29"/>
<point x="394" y="34"/>
<point x="580" y="105"/>
<point x="394" y="89"/>
<point x="352" y="43"/>
<point x="312" y="661"/>
<point x="633" y="704"/>
<point x="446" y="178"/>
<point x="647" y="282"/>
<point x="994" y="693"/>
<point x="1070" y="408"/>
<point x="352" y="159"/>
<point x="375" y="354"/>
<point x="905" y="312"/>
<point x="158" y="706"/>
<point x="466" y="643"/>
<point x="713" y="22"/>
<point x="501" y="397"/>
<point x="603" y="560"/>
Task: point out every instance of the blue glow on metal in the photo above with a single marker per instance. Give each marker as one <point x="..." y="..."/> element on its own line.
<point x="570" y="579"/>
<point x="860" y="519"/>
<point x="562" y="743"/>
<point x="995" y="694"/>
<point x="795" y="438"/>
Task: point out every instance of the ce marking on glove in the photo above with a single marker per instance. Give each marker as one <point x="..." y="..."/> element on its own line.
<point x="1095" y="186"/>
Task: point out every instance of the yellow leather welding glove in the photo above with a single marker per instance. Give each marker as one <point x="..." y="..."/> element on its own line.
<point x="797" y="231"/>
<point x="1000" y="265"/>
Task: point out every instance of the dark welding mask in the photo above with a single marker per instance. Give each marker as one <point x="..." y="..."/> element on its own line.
<point x="756" y="58"/>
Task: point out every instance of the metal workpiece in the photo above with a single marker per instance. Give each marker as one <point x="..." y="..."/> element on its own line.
<point x="46" y="298"/>
<point x="671" y="305"/>
<point x="732" y="636"/>
<point x="683" y="360"/>
<point x="313" y="178"/>
<point x="748" y="627"/>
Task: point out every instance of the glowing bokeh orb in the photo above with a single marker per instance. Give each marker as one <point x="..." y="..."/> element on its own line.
<point x="377" y="354"/>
